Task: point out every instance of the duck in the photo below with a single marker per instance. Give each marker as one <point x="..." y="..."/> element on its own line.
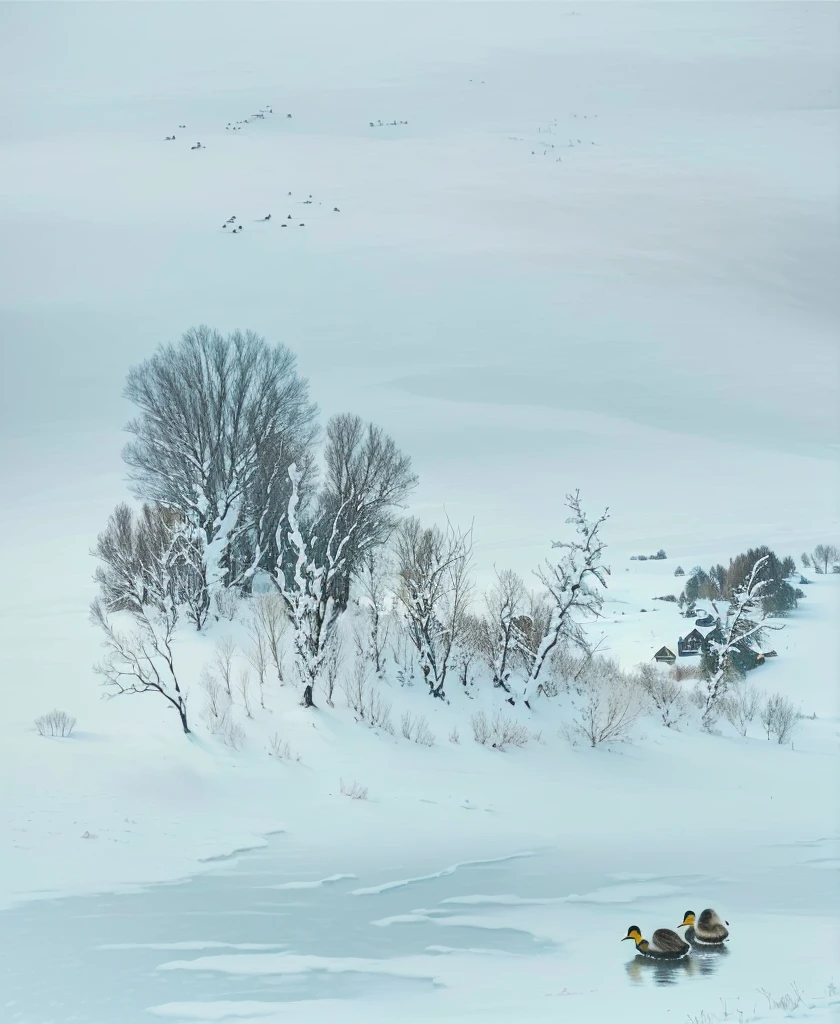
<point x="665" y="944"/>
<point x="706" y="930"/>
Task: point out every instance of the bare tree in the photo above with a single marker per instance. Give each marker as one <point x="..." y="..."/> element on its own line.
<point x="142" y="658"/>
<point x="825" y="555"/>
<point x="568" y="583"/>
<point x="221" y="419"/>
<point x="505" y="606"/>
<point x="374" y="577"/>
<point x="779" y="718"/>
<point x="744" y="618"/>
<point x="244" y="687"/>
<point x="223" y="659"/>
<point x="434" y="590"/>
<point x="805" y="558"/>
<point x="258" y="657"/>
<point x="271" y="621"/>
<point x="367" y="480"/>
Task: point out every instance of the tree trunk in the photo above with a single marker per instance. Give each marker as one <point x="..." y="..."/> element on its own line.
<point x="306" y="700"/>
<point x="182" y="711"/>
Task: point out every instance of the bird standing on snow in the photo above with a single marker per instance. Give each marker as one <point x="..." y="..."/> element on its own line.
<point x="707" y="930"/>
<point x="267" y="218"/>
<point x="665" y="944"/>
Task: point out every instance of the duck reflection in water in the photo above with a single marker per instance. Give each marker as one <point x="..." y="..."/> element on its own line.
<point x="669" y="972"/>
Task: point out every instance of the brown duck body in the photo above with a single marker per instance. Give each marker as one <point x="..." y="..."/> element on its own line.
<point x="664" y="945"/>
<point x="708" y="930"/>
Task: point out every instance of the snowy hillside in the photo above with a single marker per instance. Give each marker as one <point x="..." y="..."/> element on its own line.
<point x="543" y="247"/>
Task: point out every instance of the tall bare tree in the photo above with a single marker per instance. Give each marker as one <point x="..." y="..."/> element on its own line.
<point x="368" y="478"/>
<point x="505" y="605"/>
<point x="435" y="588"/>
<point x="569" y="585"/>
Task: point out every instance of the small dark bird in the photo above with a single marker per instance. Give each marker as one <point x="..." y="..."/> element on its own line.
<point x="288" y="115"/>
<point x="336" y="210"/>
<point x="284" y="225"/>
<point x="301" y="225"/>
<point x="267" y="218"/>
<point x="182" y="126"/>
<point x="289" y="217"/>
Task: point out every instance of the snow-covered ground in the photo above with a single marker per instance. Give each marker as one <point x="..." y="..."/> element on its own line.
<point x="600" y="254"/>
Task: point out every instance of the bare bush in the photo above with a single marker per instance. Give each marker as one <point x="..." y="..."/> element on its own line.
<point x="697" y="696"/>
<point x="280" y="750"/>
<point x="609" y="704"/>
<point x="664" y="693"/>
<point x="366" y="700"/>
<point x="227" y="603"/>
<point x="679" y="673"/>
<point x="416" y="728"/>
<point x="741" y="705"/>
<point x="223" y="660"/>
<point x="233" y="735"/>
<point x="480" y="728"/>
<point x="779" y="717"/>
<point x="55" y="723"/>
<point x="353" y="790"/>
<point x="454" y="736"/>
<point x="216" y="701"/>
<point x="500" y="733"/>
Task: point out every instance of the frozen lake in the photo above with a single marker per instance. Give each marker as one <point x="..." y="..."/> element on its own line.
<point x="257" y="935"/>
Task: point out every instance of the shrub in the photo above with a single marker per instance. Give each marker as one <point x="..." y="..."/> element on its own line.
<point x="280" y="749"/>
<point x="666" y="597"/>
<point x="741" y="706"/>
<point x="56" y="723"/>
<point x="607" y="704"/>
<point x="353" y="790"/>
<point x="416" y="728"/>
<point x="501" y="733"/>
<point x="664" y="693"/>
<point x="779" y="718"/>
<point x="679" y="673"/>
<point x="454" y="736"/>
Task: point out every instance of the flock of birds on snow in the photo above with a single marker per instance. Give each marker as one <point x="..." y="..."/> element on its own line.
<point x="236" y="126"/>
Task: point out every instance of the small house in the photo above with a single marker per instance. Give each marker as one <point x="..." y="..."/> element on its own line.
<point x="665" y="654"/>
<point x="691" y="643"/>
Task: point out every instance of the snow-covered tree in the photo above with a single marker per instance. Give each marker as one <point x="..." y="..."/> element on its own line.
<point x="221" y="419"/>
<point x="311" y="557"/>
<point x="569" y="586"/>
<point x="743" y="621"/>
<point x="434" y="591"/>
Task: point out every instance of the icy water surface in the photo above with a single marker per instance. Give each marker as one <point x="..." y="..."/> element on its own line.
<point x="265" y="933"/>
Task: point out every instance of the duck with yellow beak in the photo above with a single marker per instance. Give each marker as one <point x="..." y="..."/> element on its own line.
<point x="707" y="930"/>
<point x="664" y="944"/>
